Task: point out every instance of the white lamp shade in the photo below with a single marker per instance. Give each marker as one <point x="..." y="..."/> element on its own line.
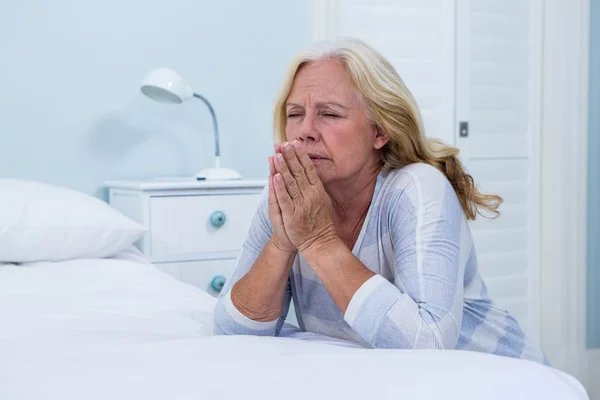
<point x="166" y="86"/>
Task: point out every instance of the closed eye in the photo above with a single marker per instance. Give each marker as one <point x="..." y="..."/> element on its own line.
<point x="331" y="115"/>
<point x="293" y="115"/>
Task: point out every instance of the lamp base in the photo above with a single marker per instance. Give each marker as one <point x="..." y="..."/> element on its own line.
<point x="217" y="174"/>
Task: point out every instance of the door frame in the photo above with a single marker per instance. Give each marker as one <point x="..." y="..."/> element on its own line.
<point x="564" y="121"/>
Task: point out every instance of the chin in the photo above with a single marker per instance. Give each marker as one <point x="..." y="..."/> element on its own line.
<point x="326" y="176"/>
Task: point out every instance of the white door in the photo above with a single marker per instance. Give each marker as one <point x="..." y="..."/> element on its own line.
<point x="498" y="80"/>
<point x="475" y="62"/>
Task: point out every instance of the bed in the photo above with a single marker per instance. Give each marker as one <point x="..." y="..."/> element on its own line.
<point x="94" y="319"/>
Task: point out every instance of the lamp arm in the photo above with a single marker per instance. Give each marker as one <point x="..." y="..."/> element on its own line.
<point x="215" y="127"/>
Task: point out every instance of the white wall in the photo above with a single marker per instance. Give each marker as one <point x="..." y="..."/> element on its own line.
<point x="70" y="109"/>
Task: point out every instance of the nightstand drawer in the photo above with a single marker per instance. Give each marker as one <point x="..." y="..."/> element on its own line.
<point x="199" y="223"/>
<point x="205" y="275"/>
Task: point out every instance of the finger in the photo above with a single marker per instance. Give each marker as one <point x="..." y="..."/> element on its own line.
<point x="271" y="166"/>
<point x="293" y="163"/>
<point x="290" y="182"/>
<point x="286" y="205"/>
<point x="272" y="197"/>
<point x="277" y="148"/>
<point x="307" y="164"/>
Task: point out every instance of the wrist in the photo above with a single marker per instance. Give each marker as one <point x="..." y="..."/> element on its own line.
<point x="320" y="243"/>
<point x="283" y="250"/>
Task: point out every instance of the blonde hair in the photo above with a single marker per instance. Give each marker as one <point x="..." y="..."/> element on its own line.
<point x="392" y="108"/>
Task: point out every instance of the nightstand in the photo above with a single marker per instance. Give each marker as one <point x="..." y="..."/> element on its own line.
<point x="195" y="228"/>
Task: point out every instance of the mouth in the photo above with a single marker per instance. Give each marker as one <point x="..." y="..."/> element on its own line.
<point x="316" y="157"/>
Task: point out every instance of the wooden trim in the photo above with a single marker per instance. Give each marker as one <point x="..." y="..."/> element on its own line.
<point x="564" y="183"/>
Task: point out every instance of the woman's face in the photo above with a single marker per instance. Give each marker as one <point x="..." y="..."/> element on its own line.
<point x="325" y="115"/>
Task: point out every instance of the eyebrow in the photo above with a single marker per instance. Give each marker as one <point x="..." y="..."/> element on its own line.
<point x="321" y="103"/>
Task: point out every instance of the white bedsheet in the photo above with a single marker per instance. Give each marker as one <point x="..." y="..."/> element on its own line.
<point x="121" y="329"/>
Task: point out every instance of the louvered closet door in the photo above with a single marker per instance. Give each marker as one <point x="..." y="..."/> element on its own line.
<point x="417" y="37"/>
<point x="498" y="64"/>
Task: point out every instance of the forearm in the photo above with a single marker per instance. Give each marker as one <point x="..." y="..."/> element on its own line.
<point x="387" y="318"/>
<point x="375" y="308"/>
<point x="259" y="295"/>
<point x="339" y="270"/>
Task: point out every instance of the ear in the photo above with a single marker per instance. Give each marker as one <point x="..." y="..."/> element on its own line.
<point x="380" y="139"/>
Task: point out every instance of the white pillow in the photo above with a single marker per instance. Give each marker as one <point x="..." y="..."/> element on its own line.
<point x="42" y="222"/>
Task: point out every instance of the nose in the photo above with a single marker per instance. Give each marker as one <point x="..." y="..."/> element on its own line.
<point x="308" y="131"/>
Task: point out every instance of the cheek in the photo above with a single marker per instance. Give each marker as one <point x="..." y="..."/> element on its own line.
<point x="351" y="142"/>
<point x="288" y="132"/>
<point x="292" y="131"/>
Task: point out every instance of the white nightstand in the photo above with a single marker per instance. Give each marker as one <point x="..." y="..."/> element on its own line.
<point x="195" y="228"/>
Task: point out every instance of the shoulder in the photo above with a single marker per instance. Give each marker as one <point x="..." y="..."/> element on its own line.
<point x="417" y="187"/>
<point x="417" y="179"/>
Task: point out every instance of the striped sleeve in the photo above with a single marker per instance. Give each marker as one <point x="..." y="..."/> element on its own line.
<point x="423" y="307"/>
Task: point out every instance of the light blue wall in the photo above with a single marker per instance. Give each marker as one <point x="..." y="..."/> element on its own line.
<point x="70" y="108"/>
<point x="593" y="245"/>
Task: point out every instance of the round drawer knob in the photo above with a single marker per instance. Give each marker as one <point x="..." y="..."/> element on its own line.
<point x="217" y="283"/>
<point x="217" y="219"/>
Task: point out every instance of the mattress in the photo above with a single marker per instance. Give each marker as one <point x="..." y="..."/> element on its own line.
<point x="119" y="328"/>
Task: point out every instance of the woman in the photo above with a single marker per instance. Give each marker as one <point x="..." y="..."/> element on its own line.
<point x="365" y="220"/>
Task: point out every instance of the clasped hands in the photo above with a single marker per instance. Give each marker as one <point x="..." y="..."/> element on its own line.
<point x="299" y="208"/>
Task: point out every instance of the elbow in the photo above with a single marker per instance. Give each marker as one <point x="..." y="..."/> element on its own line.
<point x="408" y="325"/>
<point x="425" y="334"/>
<point x="226" y="329"/>
<point x="438" y="341"/>
<point x="437" y="333"/>
<point x="449" y="341"/>
<point x="232" y="322"/>
<point x="221" y="323"/>
<point x="224" y="323"/>
<point x="218" y="331"/>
